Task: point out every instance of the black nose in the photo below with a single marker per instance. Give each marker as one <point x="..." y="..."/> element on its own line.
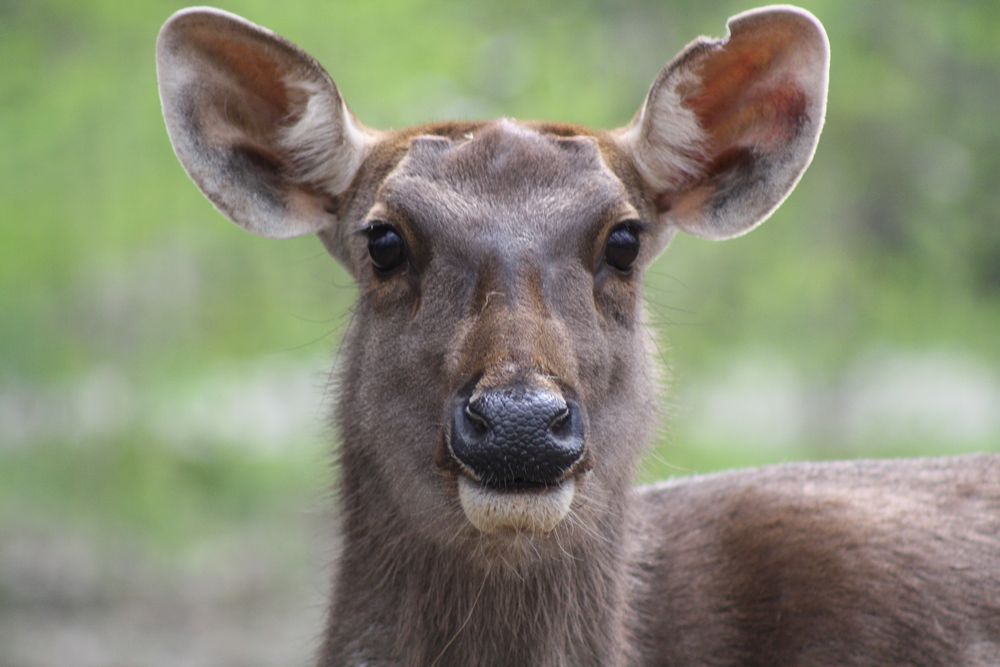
<point x="517" y="437"/>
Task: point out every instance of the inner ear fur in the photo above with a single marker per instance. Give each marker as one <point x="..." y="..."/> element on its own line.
<point x="258" y="124"/>
<point x="730" y="125"/>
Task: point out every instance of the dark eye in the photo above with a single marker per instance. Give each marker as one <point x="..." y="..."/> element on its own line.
<point x="622" y="247"/>
<point x="386" y="248"/>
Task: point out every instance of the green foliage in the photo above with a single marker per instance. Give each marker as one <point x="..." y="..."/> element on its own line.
<point x="139" y="486"/>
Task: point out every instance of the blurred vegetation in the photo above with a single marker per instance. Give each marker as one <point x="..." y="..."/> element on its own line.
<point x="112" y="265"/>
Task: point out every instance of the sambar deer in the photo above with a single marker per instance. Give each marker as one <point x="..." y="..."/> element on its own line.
<point x="497" y="385"/>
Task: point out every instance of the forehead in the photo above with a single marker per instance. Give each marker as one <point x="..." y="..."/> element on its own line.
<point x="503" y="180"/>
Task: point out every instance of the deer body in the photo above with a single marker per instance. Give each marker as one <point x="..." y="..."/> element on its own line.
<point x="498" y="386"/>
<point x="855" y="563"/>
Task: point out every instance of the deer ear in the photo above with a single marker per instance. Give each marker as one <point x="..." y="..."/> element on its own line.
<point x="258" y="124"/>
<point x="729" y="126"/>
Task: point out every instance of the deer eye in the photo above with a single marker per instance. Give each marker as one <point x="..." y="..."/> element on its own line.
<point x="622" y="247"/>
<point x="386" y="248"/>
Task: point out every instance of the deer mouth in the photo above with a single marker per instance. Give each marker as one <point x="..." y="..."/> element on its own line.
<point x="526" y="507"/>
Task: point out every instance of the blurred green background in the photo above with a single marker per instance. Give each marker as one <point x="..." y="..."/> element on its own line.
<point x="164" y="458"/>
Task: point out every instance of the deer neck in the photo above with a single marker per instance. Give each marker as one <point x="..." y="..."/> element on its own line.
<point x="401" y="599"/>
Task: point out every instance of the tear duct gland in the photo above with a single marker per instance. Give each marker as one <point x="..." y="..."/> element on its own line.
<point x="497" y="386"/>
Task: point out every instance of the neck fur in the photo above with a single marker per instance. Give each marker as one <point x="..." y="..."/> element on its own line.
<point x="400" y="599"/>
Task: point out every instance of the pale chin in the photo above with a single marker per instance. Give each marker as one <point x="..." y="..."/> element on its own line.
<point x="528" y="511"/>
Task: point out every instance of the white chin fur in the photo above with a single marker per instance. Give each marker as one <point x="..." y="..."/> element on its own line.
<point x="530" y="511"/>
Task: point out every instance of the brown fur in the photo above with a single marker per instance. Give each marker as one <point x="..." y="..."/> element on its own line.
<point x="505" y="225"/>
<point x="812" y="564"/>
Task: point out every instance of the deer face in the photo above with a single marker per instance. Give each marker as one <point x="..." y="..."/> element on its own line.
<point x="506" y="329"/>
<point x="496" y="376"/>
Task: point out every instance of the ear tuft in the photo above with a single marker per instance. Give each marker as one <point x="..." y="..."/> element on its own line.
<point x="729" y="126"/>
<point x="259" y="125"/>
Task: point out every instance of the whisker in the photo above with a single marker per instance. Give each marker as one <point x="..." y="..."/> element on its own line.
<point x="468" y="616"/>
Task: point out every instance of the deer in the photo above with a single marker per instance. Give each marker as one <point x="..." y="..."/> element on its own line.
<point x="497" y="383"/>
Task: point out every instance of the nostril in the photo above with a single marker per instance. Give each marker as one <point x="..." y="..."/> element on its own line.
<point x="479" y="424"/>
<point x="470" y="428"/>
<point x="560" y="424"/>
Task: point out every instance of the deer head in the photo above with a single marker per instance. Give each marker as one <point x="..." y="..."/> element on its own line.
<point x="496" y="377"/>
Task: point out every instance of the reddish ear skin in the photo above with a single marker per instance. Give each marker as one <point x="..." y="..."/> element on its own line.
<point x="729" y="126"/>
<point x="744" y="96"/>
<point x="258" y="124"/>
<point x="251" y="71"/>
